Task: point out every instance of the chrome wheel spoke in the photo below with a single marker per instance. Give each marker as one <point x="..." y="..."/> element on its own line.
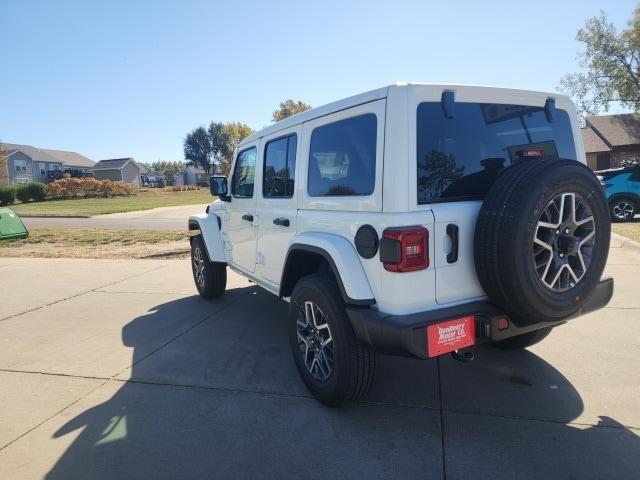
<point x="563" y="241"/>
<point x="315" y="341"/>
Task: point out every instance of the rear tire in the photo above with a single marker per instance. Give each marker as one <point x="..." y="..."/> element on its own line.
<point x="210" y="277"/>
<point x="623" y="209"/>
<point x="524" y="340"/>
<point x="334" y="365"/>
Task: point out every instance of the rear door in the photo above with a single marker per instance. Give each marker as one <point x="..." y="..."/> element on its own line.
<point x="460" y="152"/>
<point x="277" y="201"/>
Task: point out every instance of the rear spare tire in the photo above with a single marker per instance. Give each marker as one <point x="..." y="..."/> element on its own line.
<point x="542" y="239"/>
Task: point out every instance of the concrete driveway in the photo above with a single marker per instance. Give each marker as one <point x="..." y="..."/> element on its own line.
<point x="162" y="218"/>
<point x="115" y="369"/>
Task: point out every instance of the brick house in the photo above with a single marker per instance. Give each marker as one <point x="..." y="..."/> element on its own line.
<point x="612" y="141"/>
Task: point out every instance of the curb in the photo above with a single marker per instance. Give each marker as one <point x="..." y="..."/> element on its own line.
<point x="625" y="242"/>
<point x="29" y="215"/>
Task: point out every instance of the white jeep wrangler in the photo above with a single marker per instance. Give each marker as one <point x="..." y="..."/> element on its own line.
<point x="413" y="219"/>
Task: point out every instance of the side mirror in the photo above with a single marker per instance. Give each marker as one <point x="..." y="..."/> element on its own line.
<point x="218" y="187"/>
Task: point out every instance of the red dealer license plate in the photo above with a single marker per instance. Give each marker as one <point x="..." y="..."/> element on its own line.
<point x="451" y="335"/>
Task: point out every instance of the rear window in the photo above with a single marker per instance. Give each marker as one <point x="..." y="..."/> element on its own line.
<point x="459" y="158"/>
<point x="342" y="157"/>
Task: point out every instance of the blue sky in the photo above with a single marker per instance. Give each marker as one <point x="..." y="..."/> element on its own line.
<point x="124" y="78"/>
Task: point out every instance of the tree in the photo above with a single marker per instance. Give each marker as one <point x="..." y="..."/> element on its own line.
<point x="236" y="132"/>
<point x="198" y="149"/>
<point x="224" y="139"/>
<point x="167" y="168"/>
<point x="611" y="66"/>
<point x="220" y="141"/>
<point x="289" y="107"/>
<point x="4" y="174"/>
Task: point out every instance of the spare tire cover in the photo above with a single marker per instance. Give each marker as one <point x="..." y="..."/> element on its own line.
<point x="542" y="239"/>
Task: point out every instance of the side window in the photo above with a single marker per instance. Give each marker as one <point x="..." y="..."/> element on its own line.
<point x="342" y="157"/>
<point x="279" y="167"/>
<point x="244" y="174"/>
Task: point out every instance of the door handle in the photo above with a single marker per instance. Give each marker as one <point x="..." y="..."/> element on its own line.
<point x="248" y="217"/>
<point x="453" y="232"/>
<point x="283" y="222"/>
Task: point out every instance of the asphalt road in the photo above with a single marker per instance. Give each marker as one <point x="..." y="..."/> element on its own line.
<point x="162" y="218"/>
<point x="115" y="369"/>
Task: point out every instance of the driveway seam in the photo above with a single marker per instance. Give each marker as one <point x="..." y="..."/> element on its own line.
<point x="82" y="293"/>
<point x="145" y="293"/>
<point x="442" y="442"/>
<point x="200" y="322"/>
<point x="107" y="379"/>
<point x="298" y="395"/>
<point x="54" y="415"/>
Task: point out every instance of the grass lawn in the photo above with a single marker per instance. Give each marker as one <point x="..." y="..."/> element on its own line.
<point x="99" y="206"/>
<point x="630" y="230"/>
<point x="74" y="243"/>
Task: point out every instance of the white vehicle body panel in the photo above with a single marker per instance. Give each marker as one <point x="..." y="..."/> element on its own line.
<point x="208" y="224"/>
<point x="345" y="258"/>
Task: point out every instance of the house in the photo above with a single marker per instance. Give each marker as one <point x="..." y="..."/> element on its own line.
<point x="118" y="169"/>
<point x="612" y="141"/>
<point x="191" y="176"/>
<point x="32" y="164"/>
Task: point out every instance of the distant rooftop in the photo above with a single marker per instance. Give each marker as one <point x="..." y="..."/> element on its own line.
<point x="71" y="159"/>
<point x="592" y="141"/>
<point x="616" y="130"/>
<point x="112" y="163"/>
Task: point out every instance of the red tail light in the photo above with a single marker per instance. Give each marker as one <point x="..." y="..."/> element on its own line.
<point x="405" y="249"/>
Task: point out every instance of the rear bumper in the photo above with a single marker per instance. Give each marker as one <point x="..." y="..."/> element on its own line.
<point x="406" y="334"/>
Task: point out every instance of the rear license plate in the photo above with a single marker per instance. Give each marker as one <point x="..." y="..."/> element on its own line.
<point x="451" y="335"/>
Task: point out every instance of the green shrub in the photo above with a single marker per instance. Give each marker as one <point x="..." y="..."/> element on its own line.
<point x="7" y="195"/>
<point x="35" y="191"/>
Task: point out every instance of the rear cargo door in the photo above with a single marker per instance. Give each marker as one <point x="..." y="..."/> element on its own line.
<point x="465" y="139"/>
<point x="453" y="251"/>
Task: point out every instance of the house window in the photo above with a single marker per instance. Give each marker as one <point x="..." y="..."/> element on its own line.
<point x="22" y="180"/>
<point x="53" y="167"/>
<point x="20" y="166"/>
<point x="43" y="168"/>
<point x="603" y="161"/>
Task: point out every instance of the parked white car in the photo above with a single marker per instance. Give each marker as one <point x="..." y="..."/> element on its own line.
<point x="414" y="219"/>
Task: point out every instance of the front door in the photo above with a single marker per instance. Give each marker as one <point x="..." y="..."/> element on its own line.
<point x="242" y="210"/>
<point x="277" y="202"/>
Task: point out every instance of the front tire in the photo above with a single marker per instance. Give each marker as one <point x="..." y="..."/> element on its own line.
<point x="524" y="340"/>
<point x="335" y="367"/>
<point x="210" y="277"/>
<point x="623" y="210"/>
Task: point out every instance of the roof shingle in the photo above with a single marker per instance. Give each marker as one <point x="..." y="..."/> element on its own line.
<point x="71" y="159"/>
<point x="592" y="141"/>
<point x="617" y="130"/>
<point x="112" y="163"/>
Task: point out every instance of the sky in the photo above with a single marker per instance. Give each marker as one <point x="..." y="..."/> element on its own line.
<point x="122" y="78"/>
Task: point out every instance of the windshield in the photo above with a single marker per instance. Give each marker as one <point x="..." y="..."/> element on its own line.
<point x="459" y="158"/>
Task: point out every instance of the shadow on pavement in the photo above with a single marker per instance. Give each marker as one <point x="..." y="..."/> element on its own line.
<point x="156" y="429"/>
